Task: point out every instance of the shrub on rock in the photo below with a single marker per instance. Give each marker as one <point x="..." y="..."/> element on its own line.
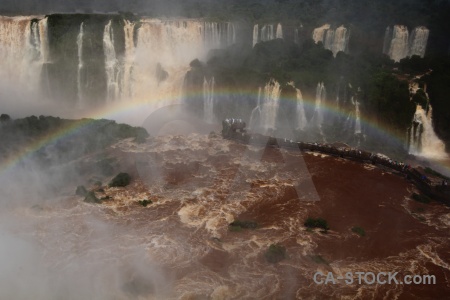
<point x="144" y="203"/>
<point x="275" y="253"/>
<point x="317" y="223"/>
<point x="91" y="198"/>
<point x="359" y="231"/>
<point x="244" y="224"/>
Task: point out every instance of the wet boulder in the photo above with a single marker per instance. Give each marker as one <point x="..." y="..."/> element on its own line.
<point x="121" y="180"/>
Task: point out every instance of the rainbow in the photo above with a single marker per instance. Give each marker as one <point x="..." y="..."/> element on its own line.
<point x="123" y="110"/>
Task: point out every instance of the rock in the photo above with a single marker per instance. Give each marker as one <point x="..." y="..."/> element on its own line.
<point x="144" y="203"/>
<point x="121" y="180"/>
<point x="91" y="198"/>
<point x="81" y="191"/>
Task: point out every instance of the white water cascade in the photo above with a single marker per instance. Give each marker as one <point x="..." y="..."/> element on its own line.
<point x="399" y="43"/>
<point x="256" y="113"/>
<point x="279" y="33"/>
<point x="321" y="94"/>
<point x="126" y="88"/>
<point x="296" y="37"/>
<point x="301" y="121"/>
<point x="319" y="33"/>
<point x="333" y="39"/>
<point x="357" y="119"/>
<point x="267" y="33"/>
<point x="23" y="52"/>
<point x="269" y="105"/>
<point x="255" y="34"/>
<point x="111" y="64"/>
<point x="156" y="56"/>
<point x="219" y="35"/>
<point x="423" y="139"/>
<point x="169" y="46"/>
<point x="418" y="41"/>
<point x="80" y="66"/>
<point x="208" y="100"/>
<point x="39" y="40"/>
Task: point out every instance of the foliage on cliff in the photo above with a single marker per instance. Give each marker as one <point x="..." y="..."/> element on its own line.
<point x="62" y="140"/>
<point x="384" y="96"/>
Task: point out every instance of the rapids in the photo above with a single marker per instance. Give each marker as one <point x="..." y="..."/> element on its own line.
<point x="180" y="246"/>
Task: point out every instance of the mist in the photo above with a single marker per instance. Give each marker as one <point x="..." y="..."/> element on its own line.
<point x="53" y="247"/>
<point x="325" y="72"/>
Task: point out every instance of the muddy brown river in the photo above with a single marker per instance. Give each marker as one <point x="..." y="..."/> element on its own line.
<point x="181" y="246"/>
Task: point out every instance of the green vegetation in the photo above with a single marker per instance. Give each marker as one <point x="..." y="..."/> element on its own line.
<point x="121" y="180"/>
<point x="359" y="231"/>
<point x="275" y="253"/>
<point x="244" y="224"/>
<point x="144" y="203"/>
<point x="317" y="223"/>
<point x="4" y="118"/>
<point x="420" y="198"/>
<point x="235" y="228"/>
<point x="83" y="137"/>
<point x="141" y="136"/>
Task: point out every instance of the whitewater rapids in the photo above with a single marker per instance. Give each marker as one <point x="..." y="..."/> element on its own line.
<point x="180" y="246"/>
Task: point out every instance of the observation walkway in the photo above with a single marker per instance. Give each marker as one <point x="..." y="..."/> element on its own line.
<point x="234" y="129"/>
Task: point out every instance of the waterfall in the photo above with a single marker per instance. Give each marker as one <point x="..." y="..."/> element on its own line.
<point x="270" y="104"/>
<point x="255" y="116"/>
<point x="208" y="100"/>
<point x="126" y="89"/>
<point x="267" y="33"/>
<point x="168" y="46"/>
<point x="340" y="41"/>
<point x="358" y="118"/>
<point x="279" y="33"/>
<point x="317" y="119"/>
<point x="23" y="51"/>
<point x="399" y="43"/>
<point x="296" y="37"/>
<point x="43" y="39"/>
<point x="418" y="41"/>
<point x="301" y="121"/>
<point x="39" y="40"/>
<point x="111" y="64"/>
<point x="255" y="34"/>
<point x="80" y="65"/>
<point x="387" y="40"/>
<point x="216" y="35"/>
<point x="329" y="39"/>
<point x="212" y="34"/>
<point x="423" y="139"/>
<point x="231" y="34"/>
<point x="301" y="117"/>
<point x="333" y="39"/>
<point x="319" y="33"/>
